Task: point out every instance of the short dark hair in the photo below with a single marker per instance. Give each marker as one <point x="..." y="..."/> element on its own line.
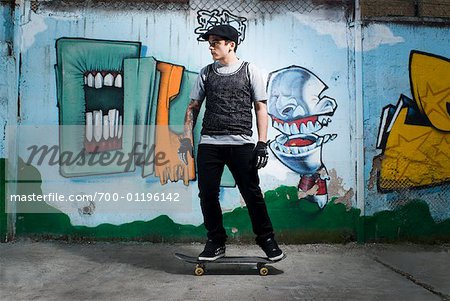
<point x="235" y="44"/>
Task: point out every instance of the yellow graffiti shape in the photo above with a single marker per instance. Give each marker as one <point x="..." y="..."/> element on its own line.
<point x="168" y="142"/>
<point x="443" y="150"/>
<point x="430" y="83"/>
<point x="415" y="156"/>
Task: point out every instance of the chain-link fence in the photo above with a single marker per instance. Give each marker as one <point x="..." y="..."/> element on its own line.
<point x="241" y="6"/>
<point x="369" y="8"/>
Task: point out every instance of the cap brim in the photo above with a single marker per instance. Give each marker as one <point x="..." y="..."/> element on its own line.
<point x="205" y="36"/>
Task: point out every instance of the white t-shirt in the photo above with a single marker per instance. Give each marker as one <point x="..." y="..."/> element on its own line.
<point x="258" y="89"/>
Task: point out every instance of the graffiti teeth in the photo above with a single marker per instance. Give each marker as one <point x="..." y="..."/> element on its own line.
<point x="295" y="150"/>
<point x="112" y="117"/>
<point x="294" y="129"/>
<point x="90" y="80"/>
<point x="286" y="129"/>
<point x="310" y="127"/>
<point x="292" y="147"/>
<point x="317" y="126"/>
<point x="284" y="149"/>
<point x="118" y="81"/>
<point x="89" y="128"/>
<point x="98" y="81"/>
<point x="97" y="125"/>
<point x="116" y="123"/>
<point x="105" y="127"/>
<point x="108" y="80"/>
<point x="103" y="132"/>
<point x="276" y="125"/>
<point x="303" y="128"/>
<point x="119" y="133"/>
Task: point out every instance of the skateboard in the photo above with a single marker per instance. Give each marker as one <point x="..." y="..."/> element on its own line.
<point x="200" y="265"/>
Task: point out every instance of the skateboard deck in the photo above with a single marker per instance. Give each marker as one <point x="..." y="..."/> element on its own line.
<point x="200" y="267"/>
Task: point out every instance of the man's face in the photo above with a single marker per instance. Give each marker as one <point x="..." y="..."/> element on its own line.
<point x="219" y="47"/>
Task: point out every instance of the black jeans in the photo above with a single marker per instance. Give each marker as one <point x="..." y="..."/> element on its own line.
<point x="211" y="160"/>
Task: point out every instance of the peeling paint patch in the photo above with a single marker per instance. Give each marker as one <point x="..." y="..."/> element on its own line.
<point x="336" y="189"/>
<point x="333" y="26"/>
<point x="346" y="199"/>
<point x="376" y="35"/>
<point x="31" y="29"/>
<point x="87" y="210"/>
<point x="376" y="167"/>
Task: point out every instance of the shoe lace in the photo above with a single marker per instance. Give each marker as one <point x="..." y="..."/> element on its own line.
<point x="211" y="246"/>
<point x="270" y="244"/>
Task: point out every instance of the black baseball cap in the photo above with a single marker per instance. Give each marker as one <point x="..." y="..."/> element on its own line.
<point x="224" y="30"/>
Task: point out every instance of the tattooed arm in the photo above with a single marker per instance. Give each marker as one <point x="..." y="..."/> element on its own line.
<point x="186" y="143"/>
<point x="191" y="117"/>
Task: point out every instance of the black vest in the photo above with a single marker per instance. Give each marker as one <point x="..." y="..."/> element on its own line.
<point x="228" y="103"/>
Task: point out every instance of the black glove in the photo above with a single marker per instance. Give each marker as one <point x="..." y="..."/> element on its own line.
<point x="261" y="156"/>
<point x="185" y="148"/>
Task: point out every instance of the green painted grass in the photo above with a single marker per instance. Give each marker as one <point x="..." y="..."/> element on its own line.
<point x="294" y="220"/>
<point x="411" y="222"/>
<point x="297" y="220"/>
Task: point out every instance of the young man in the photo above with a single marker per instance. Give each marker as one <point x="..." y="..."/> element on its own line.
<point x="231" y="87"/>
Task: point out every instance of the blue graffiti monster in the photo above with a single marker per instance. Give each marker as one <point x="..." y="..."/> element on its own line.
<point x="299" y="110"/>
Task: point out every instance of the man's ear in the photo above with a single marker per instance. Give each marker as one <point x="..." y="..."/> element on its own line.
<point x="233" y="44"/>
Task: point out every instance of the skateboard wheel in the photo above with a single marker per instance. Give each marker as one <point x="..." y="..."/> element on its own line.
<point x="263" y="271"/>
<point x="199" y="271"/>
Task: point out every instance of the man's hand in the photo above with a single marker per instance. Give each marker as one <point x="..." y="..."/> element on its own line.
<point x="261" y="156"/>
<point x="185" y="148"/>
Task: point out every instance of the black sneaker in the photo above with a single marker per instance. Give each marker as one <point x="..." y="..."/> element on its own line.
<point x="212" y="251"/>
<point x="270" y="247"/>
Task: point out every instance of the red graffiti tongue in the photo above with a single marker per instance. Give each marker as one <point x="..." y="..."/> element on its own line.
<point x="298" y="142"/>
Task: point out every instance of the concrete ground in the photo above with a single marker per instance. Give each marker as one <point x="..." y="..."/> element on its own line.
<point x="55" y="270"/>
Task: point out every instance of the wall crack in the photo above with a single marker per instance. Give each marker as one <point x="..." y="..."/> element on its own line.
<point x="411" y="278"/>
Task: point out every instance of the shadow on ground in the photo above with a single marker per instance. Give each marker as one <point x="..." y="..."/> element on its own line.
<point x="155" y="256"/>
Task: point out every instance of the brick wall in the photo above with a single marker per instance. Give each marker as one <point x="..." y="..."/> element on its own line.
<point x="434" y="8"/>
<point x="405" y="8"/>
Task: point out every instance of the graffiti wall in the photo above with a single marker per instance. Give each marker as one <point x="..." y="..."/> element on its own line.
<point x="95" y="86"/>
<point x="414" y="134"/>
<point x="407" y="149"/>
